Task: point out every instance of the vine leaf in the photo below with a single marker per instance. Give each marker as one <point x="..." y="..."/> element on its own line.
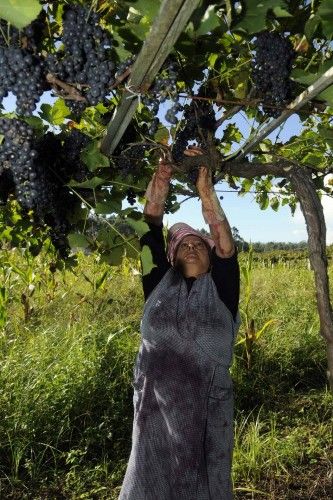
<point x="209" y="21"/>
<point x="108" y="207"/>
<point x="256" y="12"/>
<point x="311" y="26"/>
<point x="90" y="183"/>
<point x="20" y="13"/>
<point x="325" y="11"/>
<point x="93" y="158"/>
<point x="327" y="134"/>
<point x="54" y="114"/>
<point x="139" y="226"/>
<point x="146" y="260"/>
<point x="78" y="240"/>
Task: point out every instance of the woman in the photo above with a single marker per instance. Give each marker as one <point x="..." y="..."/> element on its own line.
<point x="183" y="400"/>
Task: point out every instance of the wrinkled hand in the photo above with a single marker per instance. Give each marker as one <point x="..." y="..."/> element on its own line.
<point x="204" y="181"/>
<point x="164" y="170"/>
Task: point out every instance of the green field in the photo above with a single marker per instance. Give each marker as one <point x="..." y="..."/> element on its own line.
<point x="68" y="342"/>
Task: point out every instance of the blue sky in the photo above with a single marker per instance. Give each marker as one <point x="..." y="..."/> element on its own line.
<point x="243" y="212"/>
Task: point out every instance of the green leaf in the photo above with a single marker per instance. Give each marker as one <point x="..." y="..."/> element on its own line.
<point x="114" y="257"/>
<point x="108" y="207"/>
<point x="256" y="12"/>
<point x="325" y="11"/>
<point x="280" y="12"/>
<point x="133" y="253"/>
<point x="162" y="135"/>
<point x="20" y="13"/>
<point x="77" y="240"/>
<point x="174" y="207"/>
<point x="146" y="260"/>
<point x="212" y="60"/>
<point x="100" y="281"/>
<point x="45" y="112"/>
<point x="148" y="8"/>
<point x="139" y="226"/>
<point x="209" y="21"/>
<point x="56" y="113"/>
<point x="311" y="26"/>
<point x="266" y="325"/>
<point x="36" y="123"/>
<point x="274" y="203"/>
<point x="301" y="76"/>
<point x="246" y="185"/>
<point x="327" y="95"/>
<point x="93" y="158"/>
<point x="314" y="158"/>
<point x="232" y="134"/>
<point x="263" y="200"/>
<point x="109" y="237"/>
<point x="327" y="134"/>
<point x="306" y="78"/>
<point x="59" y="112"/>
<point x="91" y="183"/>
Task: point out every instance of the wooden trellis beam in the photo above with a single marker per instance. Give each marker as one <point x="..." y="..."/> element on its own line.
<point x="321" y="84"/>
<point x="166" y="28"/>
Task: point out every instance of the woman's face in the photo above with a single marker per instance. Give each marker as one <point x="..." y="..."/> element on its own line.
<point x="192" y="256"/>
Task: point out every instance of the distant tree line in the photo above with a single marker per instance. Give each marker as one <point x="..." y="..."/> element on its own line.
<point x="258" y="246"/>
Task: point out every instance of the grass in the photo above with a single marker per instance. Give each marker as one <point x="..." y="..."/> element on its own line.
<point x="66" y="397"/>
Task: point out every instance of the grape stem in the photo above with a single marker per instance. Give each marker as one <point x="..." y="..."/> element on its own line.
<point x="121" y="77"/>
<point x="60" y="87"/>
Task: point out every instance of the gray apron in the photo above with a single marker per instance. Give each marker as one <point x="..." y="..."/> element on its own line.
<point x="182" y="437"/>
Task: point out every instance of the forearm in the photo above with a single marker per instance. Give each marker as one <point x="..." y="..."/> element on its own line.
<point x="219" y="226"/>
<point x="156" y="194"/>
<point x="153" y="213"/>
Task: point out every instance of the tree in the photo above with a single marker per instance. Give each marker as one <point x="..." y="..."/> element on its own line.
<point x="112" y="64"/>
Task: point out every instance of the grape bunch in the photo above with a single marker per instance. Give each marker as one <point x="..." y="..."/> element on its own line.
<point x="198" y="119"/>
<point x="85" y="58"/>
<point x="164" y="88"/>
<point x="73" y="145"/>
<point x="271" y="70"/>
<point x="22" y="70"/>
<point x="131" y="160"/>
<point x="198" y="122"/>
<point x="38" y="171"/>
<point x="18" y="155"/>
<point x="22" y="73"/>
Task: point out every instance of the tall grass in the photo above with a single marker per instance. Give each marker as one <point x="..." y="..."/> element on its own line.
<point x="66" y="395"/>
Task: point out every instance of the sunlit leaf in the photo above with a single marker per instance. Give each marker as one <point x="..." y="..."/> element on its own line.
<point x="20" y="13"/>
<point x="93" y="158"/>
<point x="77" y="240"/>
<point x="209" y="21"/>
<point x="146" y="260"/>
<point x="139" y="226"/>
<point x="91" y="183"/>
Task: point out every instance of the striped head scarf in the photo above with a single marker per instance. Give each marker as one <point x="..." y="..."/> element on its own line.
<point x="177" y="232"/>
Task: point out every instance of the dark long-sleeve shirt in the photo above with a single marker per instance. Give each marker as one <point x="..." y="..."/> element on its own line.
<point x="225" y="271"/>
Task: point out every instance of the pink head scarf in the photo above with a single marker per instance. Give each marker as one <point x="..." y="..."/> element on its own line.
<point x="177" y="232"/>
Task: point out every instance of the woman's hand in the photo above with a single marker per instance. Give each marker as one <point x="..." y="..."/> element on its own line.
<point x="164" y="169"/>
<point x="204" y="182"/>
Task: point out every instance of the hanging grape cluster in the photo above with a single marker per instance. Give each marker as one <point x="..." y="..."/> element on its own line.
<point x="37" y="171"/>
<point x="85" y="56"/>
<point x="271" y="68"/>
<point x="22" y="71"/>
<point x="163" y="89"/>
